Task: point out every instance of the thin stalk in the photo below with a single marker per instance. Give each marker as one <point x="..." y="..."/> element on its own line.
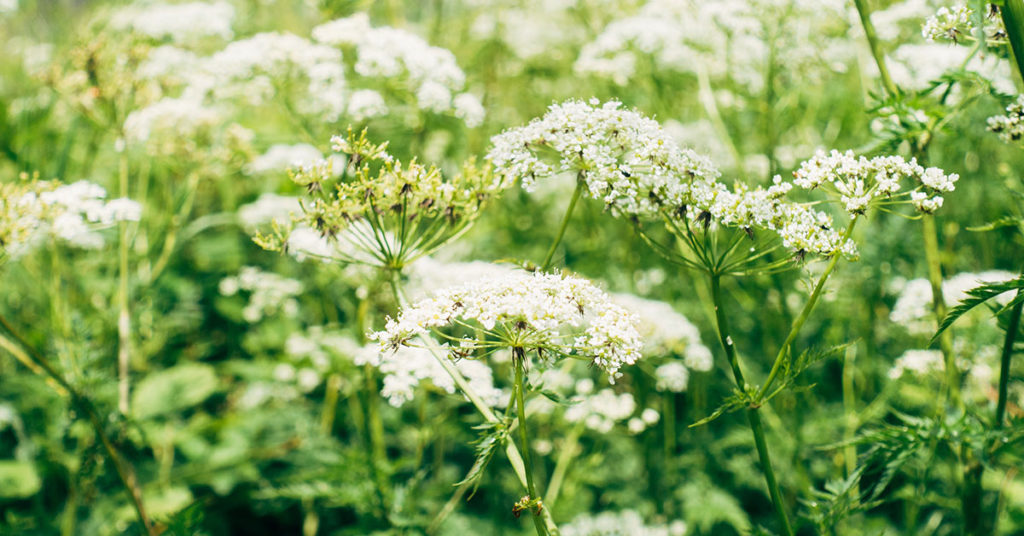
<point x="1012" y="326"/>
<point x="519" y="356"/>
<point x="1013" y="19"/>
<point x="753" y="417"/>
<point x="124" y="469"/>
<point x="933" y="258"/>
<point x="565" y="222"/>
<point x="124" y="321"/>
<point x="375" y="435"/>
<point x="565" y="457"/>
<point x="876" y="46"/>
<point x="805" y="313"/>
<point x="850" y="412"/>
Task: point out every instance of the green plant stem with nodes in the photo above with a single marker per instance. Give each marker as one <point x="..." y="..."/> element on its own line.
<point x="515" y="459"/>
<point x="752" y="412"/>
<point x="124" y="469"/>
<point x="580" y="185"/>
<point x="1012" y="327"/>
<point x="124" y="321"/>
<point x="519" y="363"/>
<point x="876" y="46"/>
<point x="1013" y="19"/>
<point x="805" y="313"/>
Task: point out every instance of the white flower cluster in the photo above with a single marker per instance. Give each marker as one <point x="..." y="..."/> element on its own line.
<point x="282" y="157"/>
<point x="255" y="68"/>
<point x="913" y="307"/>
<point x="626" y="159"/>
<point x="954" y="23"/>
<point x="685" y="36"/>
<point x="673" y="377"/>
<point x="73" y="213"/>
<point x="919" y="362"/>
<point x="268" y="208"/>
<point x="624" y="523"/>
<point x="631" y="164"/>
<point x="428" y="274"/>
<point x="169" y="64"/>
<point x="541" y="311"/>
<point x="917" y="66"/>
<point x="666" y="332"/>
<point x="177" y="22"/>
<point x="1010" y="127"/>
<point x="269" y="293"/>
<point x="405" y="368"/>
<point x="168" y="118"/>
<point x="390" y="53"/>
<point x="858" y="182"/>
<point x="600" y="411"/>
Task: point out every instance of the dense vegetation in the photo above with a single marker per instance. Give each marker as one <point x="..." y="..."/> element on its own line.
<point x="593" y="267"/>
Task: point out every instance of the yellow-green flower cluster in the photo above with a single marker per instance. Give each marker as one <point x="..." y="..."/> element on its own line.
<point x="381" y="211"/>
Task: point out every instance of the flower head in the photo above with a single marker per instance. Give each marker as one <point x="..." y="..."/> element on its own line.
<point x="550" y="313"/>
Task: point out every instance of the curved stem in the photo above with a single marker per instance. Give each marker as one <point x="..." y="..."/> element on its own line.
<point x="932" y="257"/>
<point x="518" y="358"/>
<point x="124" y="321"/>
<point x="1013" y="19"/>
<point x="876" y="46"/>
<point x="805" y="313"/>
<point x="565" y="222"/>
<point x="1012" y="326"/>
<point x="753" y="417"/>
<point x="565" y="457"/>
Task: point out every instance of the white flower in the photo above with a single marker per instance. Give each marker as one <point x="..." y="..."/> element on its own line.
<point x="430" y="73"/>
<point x="267" y="208"/>
<point x="171" y="118"/>
<point x="405" y="368"/>
<point x="859" y="182"/>
<point x="1010" y="127"/>
<point x="602" y="410"/>
<point x="269" y="293"/>
<point x="178" y="22"/>
<point x="543" y="312"/>
<point x="366" y="103"/>
<point x="469" y="109"/>
<point x="913" y="307"/>
<point x="919" y="362"/>
<point x="255" y="68"/>
<point x="672" y="377"/>
<point x="626" y="159"/>
<point x="624" y="523"/>
<point x="282" y="157"/>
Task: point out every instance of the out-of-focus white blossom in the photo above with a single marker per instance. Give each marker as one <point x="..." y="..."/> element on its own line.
<point x="282" y="157"/>
<point x="433" y="76"/>
<point x="1010" y="127"/>
<point x="177" y="22"/>
<point x="269" y="293"/>
<point x="666" y="332"/>
<point x="170" y="118"/>
<point x="366" y="103"/>
<point x="600" y="411"/>
<point x="624" y="523"/>
<point x="268" y="208"/>
<point x="913" y="307"/>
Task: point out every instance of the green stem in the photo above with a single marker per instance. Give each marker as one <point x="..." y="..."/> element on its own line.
<point x="518" y="362"/>
<point x="124" y="322"/>
<point x="753" y="417"/>
<point x="876" y="47"/>
<point x="565" y="458"/>
<point x="1013" y="18"/>
<point x="933" y="258"/>
<point x="580" y="183"/>
<point x="805" y="313"/>
<point x="1012" y="326"/>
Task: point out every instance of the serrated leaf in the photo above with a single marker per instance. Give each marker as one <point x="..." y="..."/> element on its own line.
<point x="978" y="296"/>
<point x="737" y="401"/>
<point x="1007" y="221"/>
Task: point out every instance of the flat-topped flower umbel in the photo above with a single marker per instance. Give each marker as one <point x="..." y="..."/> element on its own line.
<point x="553" y="314"/>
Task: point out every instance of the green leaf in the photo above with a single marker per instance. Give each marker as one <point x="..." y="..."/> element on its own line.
<point x="737" y="401"/>
<point x="174" y="389"/>
<point x="492" y="435"/>
<point x="18" y="479"/>
<point x="1007" y="221"/>
<point x="978" y="296"/>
